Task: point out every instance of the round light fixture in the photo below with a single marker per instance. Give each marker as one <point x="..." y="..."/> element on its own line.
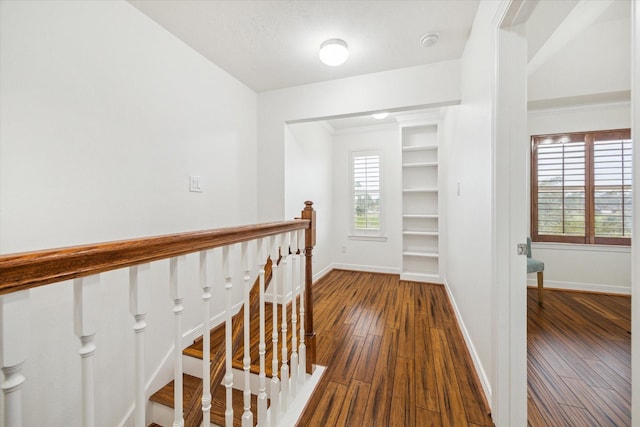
<point x="333" y="52"/>
<point x="429" y="39"/>
<point x="381" y="115"/>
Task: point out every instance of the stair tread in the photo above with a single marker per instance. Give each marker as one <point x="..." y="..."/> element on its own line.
<point x="217" y="339"/>
<point x="164" y="396"/>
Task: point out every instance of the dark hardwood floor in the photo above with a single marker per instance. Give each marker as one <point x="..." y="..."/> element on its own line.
<point x="579" y="359"/>
<point x="394" y="356"/>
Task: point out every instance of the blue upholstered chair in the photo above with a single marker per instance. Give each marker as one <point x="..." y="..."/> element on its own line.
<point x="535" y="266"/>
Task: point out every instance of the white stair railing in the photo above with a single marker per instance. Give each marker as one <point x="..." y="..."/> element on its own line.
<point x="247" y="416"/>
<point x="83" y="264"/>
<point x="262" y="346"/>
<point x="14" y="326"/>
<point x="302" y="348"/>
<point x="85" y="306"/>
<point x="228" y="378"/>
<point x="295" y="271"/>
<point x="275" y="382"/>
<point x="206" y="338"/>
<point x="176" y="291"/>
<point x="137" y="308"/>
<point x="284" y="369"/>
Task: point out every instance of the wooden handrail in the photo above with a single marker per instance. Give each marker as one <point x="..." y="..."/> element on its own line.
<point x="32" y="269"/>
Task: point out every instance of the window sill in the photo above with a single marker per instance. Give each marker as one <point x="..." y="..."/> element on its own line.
<point x="580" y="247"/>
<point x="368" y="238"/>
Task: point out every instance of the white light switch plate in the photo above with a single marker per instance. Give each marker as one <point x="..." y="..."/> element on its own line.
<point x="195" y="184"/>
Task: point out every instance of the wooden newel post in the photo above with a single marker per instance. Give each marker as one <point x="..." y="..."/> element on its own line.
<point x="310" y="241"/>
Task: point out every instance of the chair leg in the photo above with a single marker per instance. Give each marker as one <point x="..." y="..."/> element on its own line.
<point x="540" y="284"/>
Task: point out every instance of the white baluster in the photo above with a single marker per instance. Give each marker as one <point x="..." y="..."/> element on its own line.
<point x="284" y="370"/>
<point x="138" y="309"/>
<point x="176" y="291"/>
<point x="228" y="378"/>
<point x="302" y="364"/>
<point x="295" y="271"/>
<point x="275" y="382"/>
<point x="206" y="338"/>
<point x="85" y="292"/>
<point x="14" y="333"/>
<point x="262" y="347"/>
<point x="247" y="415"/>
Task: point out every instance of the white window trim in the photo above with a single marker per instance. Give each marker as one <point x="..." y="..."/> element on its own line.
<point x="359" y="234"/>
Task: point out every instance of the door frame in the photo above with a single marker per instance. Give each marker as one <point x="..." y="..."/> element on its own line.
<point x="509" y="219"/>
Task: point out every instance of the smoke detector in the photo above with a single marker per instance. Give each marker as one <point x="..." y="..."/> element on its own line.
<point x="429" y="39"/>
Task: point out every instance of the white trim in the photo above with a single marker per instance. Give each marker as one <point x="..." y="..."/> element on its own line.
<point x="366" y="268"/>
<point x="421" y="277"/>
<point x="304" y="393"/>
<point x="596" y="106"/>
<point x="484" y="379"/>
<point x="577" y="286"/>
<point x="320" y="274"/>
<point x="367" y="238"/>
<point x="509" y="114"/>
<point x="366" y="129"/>
<point x="635" y="254"/>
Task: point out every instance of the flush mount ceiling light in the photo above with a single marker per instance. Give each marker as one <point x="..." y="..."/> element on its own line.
<point x="429" y="39"/>
<point x="381" y="115"/>
<point x="333" y="52"/>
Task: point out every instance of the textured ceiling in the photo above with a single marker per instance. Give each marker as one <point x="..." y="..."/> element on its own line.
<point x="274" y="44"/>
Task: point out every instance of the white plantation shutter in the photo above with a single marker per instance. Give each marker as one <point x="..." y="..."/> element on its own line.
<point x="612" y="186"/>
<point x="561" y="187"/>
<point x="366" y="194"/>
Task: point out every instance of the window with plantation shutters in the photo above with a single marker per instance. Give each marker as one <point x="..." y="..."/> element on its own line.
<point x="366" y="195"/>
<point x="581" y="187"/>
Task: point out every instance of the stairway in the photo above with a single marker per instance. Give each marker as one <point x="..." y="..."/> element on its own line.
<point x="162" y="400"/>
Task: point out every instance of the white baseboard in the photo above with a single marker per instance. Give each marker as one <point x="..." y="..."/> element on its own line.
<point x="588" y="287"/>
<point x="482" y="374"/>
<point x="320" y="274"/>
<point x="367" y="268"/>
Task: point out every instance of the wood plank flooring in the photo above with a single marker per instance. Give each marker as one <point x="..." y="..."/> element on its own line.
<point x="579" y="359"/>
<point x="394" y="356"/>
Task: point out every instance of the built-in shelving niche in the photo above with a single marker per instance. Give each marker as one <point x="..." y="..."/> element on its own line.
<point x="420" y="204"/>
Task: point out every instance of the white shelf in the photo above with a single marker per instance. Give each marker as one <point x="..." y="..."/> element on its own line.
<point x="421" y="190"/>
<point x="420" y="233"/>
<point x="420" y="165"/>
<point x="419" y="147"/>
<point x="421" y="223"/>
<point x="421" y="254"/>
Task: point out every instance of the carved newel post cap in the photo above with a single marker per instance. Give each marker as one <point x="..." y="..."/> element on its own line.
<point x="308" y="203"/>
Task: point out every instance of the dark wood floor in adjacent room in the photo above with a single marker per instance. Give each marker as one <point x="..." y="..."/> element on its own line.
<point x="394" y="356"/>
<point x="579" y="359"/>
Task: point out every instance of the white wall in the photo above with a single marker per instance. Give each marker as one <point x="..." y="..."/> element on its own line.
<point x="583" y="267"/>
<point x="467" y="138"/>
<point x="309" y="176"/>
<point x="429" y="85"/>
<point x="361" y="253"/>
<point x="104" y="116"/>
